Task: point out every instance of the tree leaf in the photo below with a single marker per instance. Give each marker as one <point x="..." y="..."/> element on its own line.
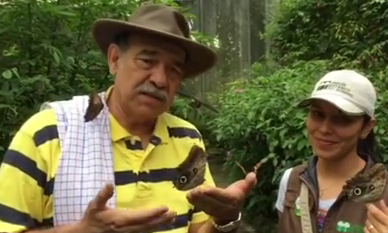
<point x="7" y="74"/>
<point x="56" y="57"/>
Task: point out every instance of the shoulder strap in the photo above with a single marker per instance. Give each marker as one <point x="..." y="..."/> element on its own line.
<point x="296" y="183"/>
<point x="293" y="182"/>
<point x="305" y="210"/>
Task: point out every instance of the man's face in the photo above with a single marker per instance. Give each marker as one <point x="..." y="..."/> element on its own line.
<point x="147" y="75"/>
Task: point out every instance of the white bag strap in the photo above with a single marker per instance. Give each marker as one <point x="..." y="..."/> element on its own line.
<point x="305" y="210"/>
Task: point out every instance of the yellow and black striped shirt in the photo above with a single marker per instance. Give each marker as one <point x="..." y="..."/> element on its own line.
<point x="142" y="176"/>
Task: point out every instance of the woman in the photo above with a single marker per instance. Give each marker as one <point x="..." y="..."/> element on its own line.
<point x="340" y="125"/>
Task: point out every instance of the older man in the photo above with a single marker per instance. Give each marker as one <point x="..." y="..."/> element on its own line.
<point x="114" y="173"/>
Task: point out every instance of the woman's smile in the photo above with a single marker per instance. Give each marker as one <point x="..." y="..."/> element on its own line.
<point x="324" y="143"/>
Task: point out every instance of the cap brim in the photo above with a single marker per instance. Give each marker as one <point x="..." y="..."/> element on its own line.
<point x="200" y="58"/>
<point x="341" y="103"/>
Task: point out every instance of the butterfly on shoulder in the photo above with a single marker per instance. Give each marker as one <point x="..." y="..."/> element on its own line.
<point x="94" y="107"/>
<point x="367" y="186"/>
<point x="191" y="172"/>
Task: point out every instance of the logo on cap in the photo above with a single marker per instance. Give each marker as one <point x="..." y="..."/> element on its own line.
<point x="335" y="86"/>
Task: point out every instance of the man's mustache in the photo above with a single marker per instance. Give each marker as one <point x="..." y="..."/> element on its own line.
<point x="151" y="90"/>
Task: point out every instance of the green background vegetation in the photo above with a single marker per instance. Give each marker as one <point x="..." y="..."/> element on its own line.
<point x="47" y="53"/>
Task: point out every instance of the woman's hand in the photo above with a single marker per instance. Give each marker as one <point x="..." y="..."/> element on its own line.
<point x="377" y="218"/>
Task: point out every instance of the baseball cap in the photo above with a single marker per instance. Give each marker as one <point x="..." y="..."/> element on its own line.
<point x="348" y="90"/>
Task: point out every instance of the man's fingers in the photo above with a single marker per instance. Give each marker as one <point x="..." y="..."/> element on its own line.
<point x="104" y="195"/>
<point x="214" y="204"/>
<point x="243" y="186"/>
<point x="213" y="196"/>
<point x="137" y="217"/>
<point x="149" y="226"/>
<point x="249" y="182"/>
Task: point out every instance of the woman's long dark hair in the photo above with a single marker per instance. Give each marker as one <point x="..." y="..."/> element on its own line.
<point x="368" y="146"/>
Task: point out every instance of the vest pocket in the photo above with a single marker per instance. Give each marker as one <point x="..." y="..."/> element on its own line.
<point x="291" y="201"/>
<point x="289" y="221"/>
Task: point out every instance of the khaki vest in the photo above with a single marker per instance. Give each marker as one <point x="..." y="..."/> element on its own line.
<point x="343" y="215"/>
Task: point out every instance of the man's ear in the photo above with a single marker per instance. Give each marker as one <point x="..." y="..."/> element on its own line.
<point x="113" y="55"/>
<point x="368" y="128"/>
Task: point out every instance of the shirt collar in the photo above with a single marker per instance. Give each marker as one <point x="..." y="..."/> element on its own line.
<point x="160" y="134"/>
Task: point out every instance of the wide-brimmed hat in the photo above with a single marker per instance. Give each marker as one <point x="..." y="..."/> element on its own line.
<point x="348" y="90"/>
<point x="161" y="21"/>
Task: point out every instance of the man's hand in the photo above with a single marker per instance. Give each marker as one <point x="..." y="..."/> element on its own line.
<point x="222" y="204"/>
<point x="99" y="218"/>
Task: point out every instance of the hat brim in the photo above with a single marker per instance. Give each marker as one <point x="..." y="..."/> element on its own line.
<point x="341" y="103"/>
<point x="200" y="58"/>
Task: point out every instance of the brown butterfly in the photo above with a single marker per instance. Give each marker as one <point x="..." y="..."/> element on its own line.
<point x="191" y="172"/>
<point x="367" y="186"/>
<point x="94" y="108"/>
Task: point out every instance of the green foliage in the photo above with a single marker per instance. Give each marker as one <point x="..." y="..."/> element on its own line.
<point x="346" y="34"/>
<point x="49" y="54"/>
<point x="194" y="112"/>
<point x="340" y="30"/>
<point x="259" y="121"/>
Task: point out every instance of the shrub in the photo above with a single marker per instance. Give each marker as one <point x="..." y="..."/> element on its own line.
<point x="56" y="61"/>
<point x="341" y="30"/>
<point x="259" y="120"/>
<point x="195" y="112"/>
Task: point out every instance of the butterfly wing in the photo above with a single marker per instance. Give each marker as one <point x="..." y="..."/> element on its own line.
<point x="368" y="186"/>
<point x="191" y="172"/>
<point x="94" y="108"/>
